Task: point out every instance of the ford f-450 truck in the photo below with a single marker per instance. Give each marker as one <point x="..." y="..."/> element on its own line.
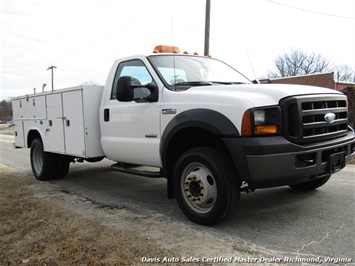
<point x="198" y="122"/>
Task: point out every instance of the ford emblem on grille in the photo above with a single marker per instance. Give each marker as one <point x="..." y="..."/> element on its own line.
<point x="330" y="117"/>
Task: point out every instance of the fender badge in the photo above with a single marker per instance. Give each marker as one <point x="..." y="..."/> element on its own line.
<point x="168" y="111"/>
<point x="329" y="118"/>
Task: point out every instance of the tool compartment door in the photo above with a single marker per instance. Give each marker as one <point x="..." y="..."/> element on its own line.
<point x="74" y="123"/>
<point x="54" y="134"/>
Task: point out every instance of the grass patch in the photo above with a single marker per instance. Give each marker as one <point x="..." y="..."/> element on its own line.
<point x="35" y="232"/>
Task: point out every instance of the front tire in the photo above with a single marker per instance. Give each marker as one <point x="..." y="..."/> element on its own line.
<point x="206" y="186"/>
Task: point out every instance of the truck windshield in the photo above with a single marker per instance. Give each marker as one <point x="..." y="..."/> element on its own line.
<point x="185" y="71"/>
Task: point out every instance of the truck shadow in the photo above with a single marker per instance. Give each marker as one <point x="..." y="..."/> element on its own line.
<point x="275" y="204"/>
<point x="102" y="185"/>
<point x="266" y="207"/>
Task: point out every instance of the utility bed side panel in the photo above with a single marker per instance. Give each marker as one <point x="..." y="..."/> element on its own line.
<point x="67" y="120"/>
<point x="30" y="107"/>
<point x="91" y="107"/>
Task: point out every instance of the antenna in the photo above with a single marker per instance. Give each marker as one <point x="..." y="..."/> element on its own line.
<point x="250" y="62"/>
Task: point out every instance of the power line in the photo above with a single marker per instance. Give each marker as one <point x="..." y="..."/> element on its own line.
<point x="310" y="11"/>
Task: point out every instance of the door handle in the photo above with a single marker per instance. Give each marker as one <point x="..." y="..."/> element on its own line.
<point x="106" y="115"/>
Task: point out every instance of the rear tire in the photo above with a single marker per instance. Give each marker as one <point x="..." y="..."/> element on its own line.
<point x="63" y="162"/>
<point x="43" y="164"/>
<point x="46" y="166"/>
<point x="310" y="185"/>
<point x="206" y="185"/>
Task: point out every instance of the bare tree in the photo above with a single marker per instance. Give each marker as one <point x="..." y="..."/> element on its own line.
<point x="298" y="63"/>
<point x="344" y="73"/>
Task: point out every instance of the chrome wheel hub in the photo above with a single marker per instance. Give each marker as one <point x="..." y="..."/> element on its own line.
<point x="199" y="187"/>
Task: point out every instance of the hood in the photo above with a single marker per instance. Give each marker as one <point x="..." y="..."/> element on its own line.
<point x="259" y="94"/>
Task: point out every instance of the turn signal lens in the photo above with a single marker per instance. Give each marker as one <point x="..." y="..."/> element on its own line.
<point x="246" y="124"/>
<point x="267" y="129"/>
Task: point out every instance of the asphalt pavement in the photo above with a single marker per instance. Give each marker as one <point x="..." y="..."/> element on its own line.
<point x="318" y="223"/>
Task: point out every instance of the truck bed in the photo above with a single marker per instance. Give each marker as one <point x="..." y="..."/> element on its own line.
<point x="67" y="119"/>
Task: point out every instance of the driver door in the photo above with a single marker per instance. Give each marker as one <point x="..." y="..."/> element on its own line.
<point x="131" y="130"/>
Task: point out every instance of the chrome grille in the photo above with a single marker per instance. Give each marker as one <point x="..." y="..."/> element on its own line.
<point x="305" y="117"/>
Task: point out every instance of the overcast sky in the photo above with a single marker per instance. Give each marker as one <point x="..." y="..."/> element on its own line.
<point x="83" y="38"/>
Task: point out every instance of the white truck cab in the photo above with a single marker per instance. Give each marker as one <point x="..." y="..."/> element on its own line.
<point x="209" y="131"/>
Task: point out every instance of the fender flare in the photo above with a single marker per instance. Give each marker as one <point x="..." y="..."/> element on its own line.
<point x="211" y="120"/>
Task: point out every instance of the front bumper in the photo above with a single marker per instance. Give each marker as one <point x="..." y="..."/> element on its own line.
<point x="274" y="161"/>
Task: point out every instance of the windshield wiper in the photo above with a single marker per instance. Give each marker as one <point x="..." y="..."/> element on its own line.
<point x="193" y="83"/>
<point x="227" y="82"/>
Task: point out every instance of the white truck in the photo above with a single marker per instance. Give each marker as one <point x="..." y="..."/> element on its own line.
<point x="202" y="125"/>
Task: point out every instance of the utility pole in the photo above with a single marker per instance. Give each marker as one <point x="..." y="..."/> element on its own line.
<point x="51" y="68"/>
<point x="207" y="27"/>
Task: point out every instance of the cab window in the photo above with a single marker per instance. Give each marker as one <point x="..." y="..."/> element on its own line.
<point x="138" y="71"/>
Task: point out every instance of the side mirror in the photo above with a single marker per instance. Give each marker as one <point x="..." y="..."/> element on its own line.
<point x="153" y="88"/>
<point x="124" y="89"/>
<point x="128" y="90"/>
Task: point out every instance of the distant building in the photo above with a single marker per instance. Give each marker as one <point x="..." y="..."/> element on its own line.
<point x="321" y="79"/>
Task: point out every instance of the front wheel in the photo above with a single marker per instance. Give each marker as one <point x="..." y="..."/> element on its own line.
<point x="206" y="186"/>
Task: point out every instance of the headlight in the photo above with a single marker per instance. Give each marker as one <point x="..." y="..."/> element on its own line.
<point x="261" y="121"/>
<point x="259" y="117"/>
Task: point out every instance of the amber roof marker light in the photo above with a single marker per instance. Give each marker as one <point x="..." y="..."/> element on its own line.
<point x="171" y="49"/>
<point x="166" y="49"/>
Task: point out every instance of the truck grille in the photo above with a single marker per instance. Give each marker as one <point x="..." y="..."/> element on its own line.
<point x="305" y="118"/>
